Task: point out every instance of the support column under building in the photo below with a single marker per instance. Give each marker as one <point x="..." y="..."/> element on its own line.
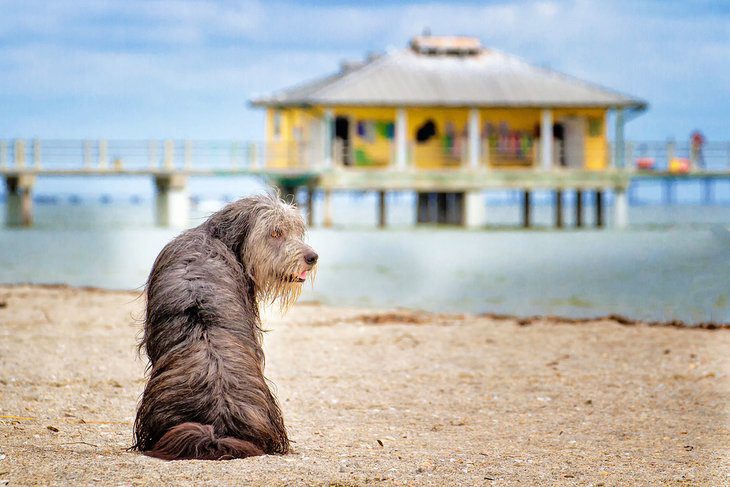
<point x="475" y="214"/>
<point x="172" y="205"/>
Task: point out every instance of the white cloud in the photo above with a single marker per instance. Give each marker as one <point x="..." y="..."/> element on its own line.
<point x="157" y="52"/>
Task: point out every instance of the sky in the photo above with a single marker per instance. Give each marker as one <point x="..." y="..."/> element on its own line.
<point x="138" y="69"/>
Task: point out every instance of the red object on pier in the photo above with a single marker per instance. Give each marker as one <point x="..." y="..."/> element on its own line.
<point x="646" y="163"/>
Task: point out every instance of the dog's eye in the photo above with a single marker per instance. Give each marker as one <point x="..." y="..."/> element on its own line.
<point x="275" y="233"/>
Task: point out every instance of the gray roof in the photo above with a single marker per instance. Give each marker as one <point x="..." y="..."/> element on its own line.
<point x="488" y="78"/>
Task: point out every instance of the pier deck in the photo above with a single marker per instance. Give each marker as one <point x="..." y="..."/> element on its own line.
<point x="171" y="167"/>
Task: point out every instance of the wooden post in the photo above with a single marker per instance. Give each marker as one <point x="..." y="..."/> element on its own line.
<point x="168" y="155"/>
<point x="526" y="209"/>
<point x="558" y="208"/>
<point x="578" y="208"/>
<point x="382" y="209"/>
<point x="19" y="153"/>
<point x="599" y="208"/>
<point x="36" y="153"/>
<point x="103" y="154"/>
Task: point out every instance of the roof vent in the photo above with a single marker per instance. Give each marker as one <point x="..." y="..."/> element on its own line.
<point x="446" y="45"/>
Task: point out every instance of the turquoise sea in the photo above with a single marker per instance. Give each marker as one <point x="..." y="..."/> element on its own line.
<point x="672" y="263"/>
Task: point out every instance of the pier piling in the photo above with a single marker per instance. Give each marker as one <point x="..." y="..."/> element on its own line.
<point x="474" y="210"/>
<point x="599" y="208"/>
<point x="526" y="223"/>
<point x="19" y="204"/>
<point x="558" y="208"/>
<point x="172" y="205"/>
<point x="382" y="209"/>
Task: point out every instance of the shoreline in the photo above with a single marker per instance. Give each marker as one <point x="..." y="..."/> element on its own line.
<point x="407" y="314"/>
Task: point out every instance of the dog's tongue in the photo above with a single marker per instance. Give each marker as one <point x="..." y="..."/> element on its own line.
<point x="303" y="275"/>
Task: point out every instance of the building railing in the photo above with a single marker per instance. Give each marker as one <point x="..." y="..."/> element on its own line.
<point x="163" y="155"/>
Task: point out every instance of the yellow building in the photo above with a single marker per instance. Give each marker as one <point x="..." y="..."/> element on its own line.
<point x="444" y="102"/>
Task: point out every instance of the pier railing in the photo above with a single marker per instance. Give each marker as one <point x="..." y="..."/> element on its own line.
<point x="202" y="155"/>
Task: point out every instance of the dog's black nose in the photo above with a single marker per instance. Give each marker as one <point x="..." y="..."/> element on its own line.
<point x="311" y="258"/>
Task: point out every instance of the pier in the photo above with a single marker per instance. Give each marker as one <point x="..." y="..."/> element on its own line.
<point x="451" y="196"/>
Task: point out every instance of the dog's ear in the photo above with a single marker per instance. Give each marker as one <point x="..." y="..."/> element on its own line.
<point x="234" y="223"/>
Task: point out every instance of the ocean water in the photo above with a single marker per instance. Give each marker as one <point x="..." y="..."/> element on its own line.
<point x="672" y="263"/>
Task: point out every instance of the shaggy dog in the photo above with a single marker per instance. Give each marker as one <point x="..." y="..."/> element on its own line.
<point x="207" y="397"/>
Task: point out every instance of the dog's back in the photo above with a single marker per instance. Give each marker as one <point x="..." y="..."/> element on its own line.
<point x="206" y="397"/>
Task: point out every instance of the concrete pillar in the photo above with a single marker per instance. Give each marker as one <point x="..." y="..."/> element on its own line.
<point x="172" y="204"/>
<point x="19" y="204"/>
<point x="475" y="139"/>
<point x="620" y="209"/>
<point x="327" y="201"/>
<point x="546" y="139"/>
<point x="475" y="214"/>
<point x="619" y="149"/>
<point x="401" y="139"/>
<point x="328" y="122"/>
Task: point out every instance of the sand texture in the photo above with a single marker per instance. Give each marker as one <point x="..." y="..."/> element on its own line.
<point x="381" y="398"/>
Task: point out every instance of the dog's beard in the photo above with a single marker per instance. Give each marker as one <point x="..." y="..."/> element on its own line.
<point x="287" y="288"/>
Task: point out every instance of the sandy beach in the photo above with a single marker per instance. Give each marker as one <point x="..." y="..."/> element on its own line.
<point x="378" y="397"/>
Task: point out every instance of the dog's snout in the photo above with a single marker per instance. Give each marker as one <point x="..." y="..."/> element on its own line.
<point x="311" y="258"/>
